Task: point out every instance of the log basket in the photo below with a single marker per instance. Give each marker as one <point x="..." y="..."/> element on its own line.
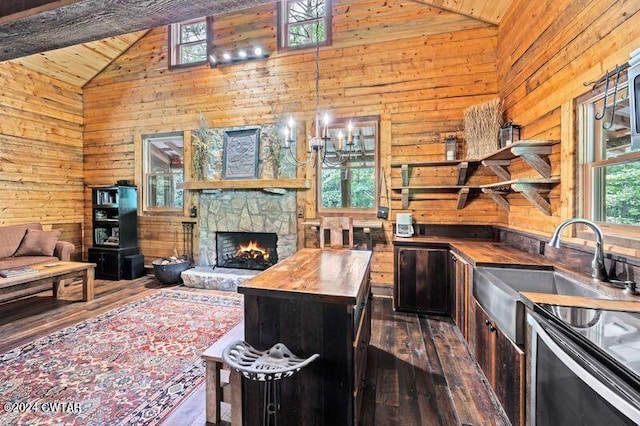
<point x="169" y="273"/>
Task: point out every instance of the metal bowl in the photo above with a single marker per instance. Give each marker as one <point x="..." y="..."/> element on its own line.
<point x="169" y="273"/>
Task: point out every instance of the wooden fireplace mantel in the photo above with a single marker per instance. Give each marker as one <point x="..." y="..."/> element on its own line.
<point x="287" y="183"/>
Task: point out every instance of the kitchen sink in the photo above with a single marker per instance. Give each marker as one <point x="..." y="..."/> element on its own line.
<point x="497" y="290"/>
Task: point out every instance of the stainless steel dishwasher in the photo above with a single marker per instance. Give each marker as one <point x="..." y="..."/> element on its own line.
<point x="585" y="367"/>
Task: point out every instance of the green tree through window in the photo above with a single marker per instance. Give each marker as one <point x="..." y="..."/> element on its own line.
<point x="305" y="22"/>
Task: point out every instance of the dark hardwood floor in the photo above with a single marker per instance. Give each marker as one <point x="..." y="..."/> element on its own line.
<point x="419" y="371"/>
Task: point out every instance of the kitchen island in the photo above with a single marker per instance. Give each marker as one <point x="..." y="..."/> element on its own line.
<point x="316" y="301"/>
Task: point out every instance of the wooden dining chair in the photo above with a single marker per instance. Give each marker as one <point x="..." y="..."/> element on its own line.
<point x="336" y="227"/>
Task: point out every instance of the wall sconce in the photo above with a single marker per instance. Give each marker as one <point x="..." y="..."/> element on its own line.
<point x="238" y="55"/>
<point x="509" y="133"/>
<point x="451" y="147"/>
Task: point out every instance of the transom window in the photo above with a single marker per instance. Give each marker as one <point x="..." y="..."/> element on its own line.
<point x="347" y="178"/>
<point x="163" y="171"/>
<point x="305" y="22"/>
<point x="609" y="168"/>
<point x="189" y="42"/>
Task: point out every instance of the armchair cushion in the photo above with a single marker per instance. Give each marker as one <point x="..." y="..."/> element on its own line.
<point x="11" y="237"/>
<point x="38" y="243"/>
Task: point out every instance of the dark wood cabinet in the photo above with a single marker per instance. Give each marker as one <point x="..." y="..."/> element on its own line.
<point x="311" y="313"/>
<point x="110" y="262"/>
<point x="503" y="364"/>
<point x="460" y="274"/>
<point x="115" y="229"/>
<point x="421" y="281"/>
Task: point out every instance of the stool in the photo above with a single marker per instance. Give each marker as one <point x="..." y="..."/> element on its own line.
<point x="268" y="366"/>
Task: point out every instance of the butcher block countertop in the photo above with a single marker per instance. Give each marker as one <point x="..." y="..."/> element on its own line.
<point x="332" y="276"/>
<point x="482" y="252"/>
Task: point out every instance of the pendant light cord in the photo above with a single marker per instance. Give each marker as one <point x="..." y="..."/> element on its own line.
<point x="317" y="77"/>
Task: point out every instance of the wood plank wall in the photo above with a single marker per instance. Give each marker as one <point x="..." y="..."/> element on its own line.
<point x="41" y="163"/>
<point x="542" y="69"/>
<point x="415" y="66"/>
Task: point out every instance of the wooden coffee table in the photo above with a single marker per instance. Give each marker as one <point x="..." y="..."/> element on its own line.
<point x="48" y="275"/>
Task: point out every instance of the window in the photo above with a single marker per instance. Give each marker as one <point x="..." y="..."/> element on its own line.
<point x="347" y="178"/>
<point x="609" y="169"/>
<point x="163" y="171"/>
<point x="188" y="42"/>
<point x="303" y="22"/>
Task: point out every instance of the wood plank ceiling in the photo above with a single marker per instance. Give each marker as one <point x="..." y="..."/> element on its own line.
<point x="78" y="64"/>
<point x="486" y="10"/>
<point x="33" y="26"/>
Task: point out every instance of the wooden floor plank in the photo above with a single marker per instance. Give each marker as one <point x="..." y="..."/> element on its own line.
<point x="474" y="404"/>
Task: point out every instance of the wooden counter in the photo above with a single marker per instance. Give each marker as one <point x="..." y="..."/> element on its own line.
<point x="482" y="252"/>
<point x="332" y="276"/>
<point x="316" y="301"/>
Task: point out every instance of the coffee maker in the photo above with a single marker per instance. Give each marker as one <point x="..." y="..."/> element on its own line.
<point x="404" y="224"/>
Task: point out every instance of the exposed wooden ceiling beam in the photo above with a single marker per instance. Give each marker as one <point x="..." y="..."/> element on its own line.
<point x="11" y="10"/>
<point x="34" y="26"/>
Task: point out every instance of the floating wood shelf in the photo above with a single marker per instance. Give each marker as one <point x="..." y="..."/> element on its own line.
<point x="531" y="189"/>
<point x="534" y="152"/>
<point x="463" y="192"/>
<point x="248" y="184"/>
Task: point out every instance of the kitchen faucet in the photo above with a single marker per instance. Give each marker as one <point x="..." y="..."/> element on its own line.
<point x="598" y="270"/>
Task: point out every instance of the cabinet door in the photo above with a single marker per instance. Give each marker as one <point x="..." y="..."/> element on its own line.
<point x="460" y="271"/>
<point x="107" y="263"/>
<point x="484" y="342"/>
<point x="509" y="378"/>
<point x="421" y="280"/>
<point x="503" y="364"/>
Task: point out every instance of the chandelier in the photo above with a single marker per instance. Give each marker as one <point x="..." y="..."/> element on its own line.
<point x="333" y="148"/>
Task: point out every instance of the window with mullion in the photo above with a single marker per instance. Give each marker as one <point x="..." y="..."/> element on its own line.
<point x="304" y="22"/>
<point x="610" y="168"/>
<point x="188" y="42"/>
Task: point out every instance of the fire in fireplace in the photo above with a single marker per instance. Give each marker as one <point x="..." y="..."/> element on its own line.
<point x="246" y="250"/>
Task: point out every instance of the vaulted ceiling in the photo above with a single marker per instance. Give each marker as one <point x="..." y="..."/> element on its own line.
<point x="486" y="10"/>
<point x="73" y="40"/>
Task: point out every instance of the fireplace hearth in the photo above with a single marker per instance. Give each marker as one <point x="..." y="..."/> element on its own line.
<point x="246" y="250"/>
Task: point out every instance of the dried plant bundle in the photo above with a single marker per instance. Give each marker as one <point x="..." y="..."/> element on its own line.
<point x="482" y="127"/>
<point x="202" y="142"/>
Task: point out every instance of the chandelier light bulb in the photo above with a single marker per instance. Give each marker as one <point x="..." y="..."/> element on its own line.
<point x="325" y="127"/>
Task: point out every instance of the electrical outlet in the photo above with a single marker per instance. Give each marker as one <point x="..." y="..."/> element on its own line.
<point x="300" y="212"/>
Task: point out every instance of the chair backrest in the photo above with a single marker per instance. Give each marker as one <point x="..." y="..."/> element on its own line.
<point x="336" y="225"/>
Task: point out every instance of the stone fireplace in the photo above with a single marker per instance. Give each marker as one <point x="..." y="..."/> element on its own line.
<point x="228" y="212"/>
<point x="231" y="212"/>
<point x="254" y="211"/>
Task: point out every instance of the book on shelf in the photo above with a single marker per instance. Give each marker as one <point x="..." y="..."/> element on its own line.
<point x="14" y="272"/>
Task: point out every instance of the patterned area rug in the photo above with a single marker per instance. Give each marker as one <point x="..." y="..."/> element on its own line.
<point x="132" y="365"/>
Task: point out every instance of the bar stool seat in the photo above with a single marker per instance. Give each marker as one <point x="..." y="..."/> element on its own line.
<point x="269" y="366"/>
